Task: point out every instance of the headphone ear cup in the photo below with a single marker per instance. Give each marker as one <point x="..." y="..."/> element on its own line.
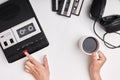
<point x="108" y="19"/>
<point x="110" y="23"/>
<point x="97" y="9"/>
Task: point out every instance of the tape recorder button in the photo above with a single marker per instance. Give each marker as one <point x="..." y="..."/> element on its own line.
<point x="18" y="49"/>
<point x="36" y="40"/>
<point x="11" y="40"/>
<point x="5" y="43"/>
<point x="23" y="46"/>
<point x="41" y="38"/>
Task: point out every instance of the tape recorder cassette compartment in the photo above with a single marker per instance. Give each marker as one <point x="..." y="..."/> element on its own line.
<point x="9" y="12"/>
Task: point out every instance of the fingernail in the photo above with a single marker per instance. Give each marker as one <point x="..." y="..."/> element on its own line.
<point x="26" y="66"/>
<point x="26" y="70"/>
<point x="45" y="58"/>
<point x="99" y="51"/>
<point x="45" y="55"/>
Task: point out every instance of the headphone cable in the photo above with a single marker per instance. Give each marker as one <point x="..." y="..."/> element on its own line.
<point x="105" y="42"/>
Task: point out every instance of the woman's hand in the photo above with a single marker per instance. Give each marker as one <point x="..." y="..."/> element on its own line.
<point x="37" y="70"/>
<point x="96" y="65"/>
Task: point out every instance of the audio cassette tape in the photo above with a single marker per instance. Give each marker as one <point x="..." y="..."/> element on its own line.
<point x="65" y="8"/>
<point x="77" y="6"/>
<point x="55" y="5"/>
<point x="20" y="30"/>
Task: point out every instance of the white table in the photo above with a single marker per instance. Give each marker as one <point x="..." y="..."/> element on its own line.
<point x="65" y="59"/>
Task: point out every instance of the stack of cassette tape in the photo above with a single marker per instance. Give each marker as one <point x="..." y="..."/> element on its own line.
<point x="67" y="7"/>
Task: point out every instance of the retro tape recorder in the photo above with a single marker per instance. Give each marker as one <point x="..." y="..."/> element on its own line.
<point x="19" y="30"/>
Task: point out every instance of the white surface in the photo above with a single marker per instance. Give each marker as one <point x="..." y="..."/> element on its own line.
<point x="65" y="59"/>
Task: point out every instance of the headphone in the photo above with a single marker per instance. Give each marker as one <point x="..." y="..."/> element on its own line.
<point x="111" y="23"/>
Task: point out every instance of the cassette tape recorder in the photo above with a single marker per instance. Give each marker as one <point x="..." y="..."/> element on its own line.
<point x="20" y="30"/>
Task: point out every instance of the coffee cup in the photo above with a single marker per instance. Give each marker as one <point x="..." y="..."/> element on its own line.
<point x="88" y="44"/>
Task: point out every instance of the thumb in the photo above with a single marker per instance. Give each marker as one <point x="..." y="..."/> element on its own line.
<point x="94" y="56"/>
<point x="102" y="56"/>
<point x="45" y="62"/>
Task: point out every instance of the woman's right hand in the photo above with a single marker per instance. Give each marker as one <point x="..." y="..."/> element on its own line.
<point x="37" y="70"/>
<point x="96" y="65"/>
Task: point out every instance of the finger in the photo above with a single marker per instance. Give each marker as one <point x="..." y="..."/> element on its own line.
<point x="94" y="56"/>
<point x="29" y="64"/>
<point x="30" y="71"/>
<point x="27" y="69"/>
<point x="25" y="62"/>
<point x="101" y="55"/>
<point x="30" y="57"/>
<point x="27" y="54"/>
<point x="46" y="62"/>
<point x="32" y="67"/>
